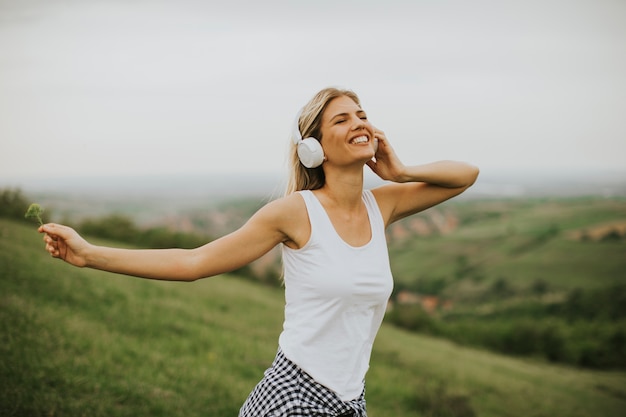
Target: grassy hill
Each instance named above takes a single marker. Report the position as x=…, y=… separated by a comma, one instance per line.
x=520, y=241
x=78, y=342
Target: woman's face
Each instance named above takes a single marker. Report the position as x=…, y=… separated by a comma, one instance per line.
x=347, y=135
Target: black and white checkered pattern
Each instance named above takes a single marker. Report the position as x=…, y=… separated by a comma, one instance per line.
x=286, y=390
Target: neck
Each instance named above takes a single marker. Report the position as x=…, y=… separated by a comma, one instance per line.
x=344, y=187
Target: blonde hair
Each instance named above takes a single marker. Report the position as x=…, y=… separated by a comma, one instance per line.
x=310, y=125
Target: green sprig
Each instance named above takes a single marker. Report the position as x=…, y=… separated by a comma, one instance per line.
x=34, y=211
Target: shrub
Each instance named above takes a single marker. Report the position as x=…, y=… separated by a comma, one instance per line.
x=13, y=203
x=114, y=226
x=411, y=317
x=437, y=402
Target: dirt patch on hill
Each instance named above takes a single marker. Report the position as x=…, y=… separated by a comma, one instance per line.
x=616, y=229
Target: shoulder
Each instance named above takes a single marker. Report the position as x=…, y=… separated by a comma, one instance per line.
x=284, y=206
x=390, y=197
x=288, y=215
x=385, y=196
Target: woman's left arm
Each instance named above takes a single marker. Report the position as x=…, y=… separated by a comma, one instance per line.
x=416, y=188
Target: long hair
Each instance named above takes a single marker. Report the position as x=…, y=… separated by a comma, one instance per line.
x=310, y=125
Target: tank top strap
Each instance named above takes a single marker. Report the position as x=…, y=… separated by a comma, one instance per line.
x=376, y=217
x=317, y=215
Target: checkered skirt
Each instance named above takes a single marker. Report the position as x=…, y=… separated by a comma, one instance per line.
x=286, y=390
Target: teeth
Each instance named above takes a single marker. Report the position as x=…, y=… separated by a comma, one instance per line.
x=360, y=139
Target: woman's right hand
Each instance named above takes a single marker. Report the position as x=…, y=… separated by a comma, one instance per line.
x=64, y=243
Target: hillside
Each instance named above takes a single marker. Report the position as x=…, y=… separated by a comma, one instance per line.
x=82, y=342
x=537, y=277
x=569, y=242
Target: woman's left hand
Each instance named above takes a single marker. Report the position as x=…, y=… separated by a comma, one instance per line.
x=386, y=163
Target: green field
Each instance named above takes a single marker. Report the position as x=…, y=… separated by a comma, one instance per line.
x=520, y=240
x=79, y=342
x=536, y=277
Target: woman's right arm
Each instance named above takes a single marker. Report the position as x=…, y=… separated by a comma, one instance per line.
x=258, y=236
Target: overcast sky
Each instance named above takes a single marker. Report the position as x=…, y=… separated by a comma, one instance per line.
x=93, y=88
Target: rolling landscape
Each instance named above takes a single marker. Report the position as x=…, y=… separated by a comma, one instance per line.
x=504, y=305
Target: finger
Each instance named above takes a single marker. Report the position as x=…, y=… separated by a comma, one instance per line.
x=382, y=141
x=52, y=239
x=52, y=250
x=51, y=243
x=53, y=228
x=50, y=228
x=57, y=231
x=372, y=165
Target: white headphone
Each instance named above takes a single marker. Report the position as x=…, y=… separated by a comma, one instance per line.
x=309, y=149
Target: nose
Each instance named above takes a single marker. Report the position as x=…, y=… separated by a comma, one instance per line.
x=358, y=123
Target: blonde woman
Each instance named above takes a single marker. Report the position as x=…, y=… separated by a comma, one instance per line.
x=336, y=265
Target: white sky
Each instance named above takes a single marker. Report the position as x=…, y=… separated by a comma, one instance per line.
x=92, y=88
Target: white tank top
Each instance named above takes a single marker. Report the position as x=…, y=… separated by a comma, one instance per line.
x=336, y=295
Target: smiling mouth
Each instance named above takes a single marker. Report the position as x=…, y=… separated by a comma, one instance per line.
x=359, y=140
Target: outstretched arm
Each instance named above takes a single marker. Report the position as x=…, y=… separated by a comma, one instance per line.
x=416, y=188
x=260, y=234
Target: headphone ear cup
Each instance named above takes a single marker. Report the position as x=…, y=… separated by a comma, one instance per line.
x=310, y=153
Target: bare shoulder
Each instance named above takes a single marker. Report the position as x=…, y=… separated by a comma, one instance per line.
x=288, y=215
x=386, y=197
x=399, y=200
x=280, y=208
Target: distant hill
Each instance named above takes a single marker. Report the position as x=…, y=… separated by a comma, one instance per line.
x=491, y=182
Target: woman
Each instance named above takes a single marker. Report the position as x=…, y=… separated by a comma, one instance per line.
x=336, y=266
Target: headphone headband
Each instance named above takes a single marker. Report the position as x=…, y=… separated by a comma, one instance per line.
x=296, y=134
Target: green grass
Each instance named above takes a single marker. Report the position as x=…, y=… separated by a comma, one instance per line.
x=521, y=241
x=78, y=342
